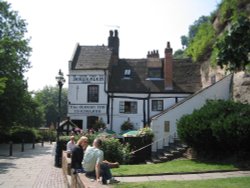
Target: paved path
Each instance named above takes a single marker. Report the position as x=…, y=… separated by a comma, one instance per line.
x=181, y=177
x=35, y=168
x=31, y=168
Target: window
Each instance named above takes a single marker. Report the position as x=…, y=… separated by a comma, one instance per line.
x=129, y=107
x=154, y=73
x=93, y=93
x=127, y=73
x=157, y=105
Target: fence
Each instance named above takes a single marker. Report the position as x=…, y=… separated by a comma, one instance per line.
x=10, y=149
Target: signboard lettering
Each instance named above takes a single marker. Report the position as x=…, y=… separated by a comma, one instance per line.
x=87, y=109
x=90, y=78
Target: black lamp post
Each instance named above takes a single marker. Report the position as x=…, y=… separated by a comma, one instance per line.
x=60, y=81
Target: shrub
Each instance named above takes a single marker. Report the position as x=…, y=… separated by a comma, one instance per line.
x=127, y=125
x=26, y=134
x=114, y=151
x=147, y=132
x=218, y=127
x=4, y=137
x=99, y=124
x=48, y=135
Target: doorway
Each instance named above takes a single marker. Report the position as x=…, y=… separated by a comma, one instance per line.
x=91, y=120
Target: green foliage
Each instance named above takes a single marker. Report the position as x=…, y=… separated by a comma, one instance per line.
x=180, y=54
x=47, y=98
x=26, y=134
x=194, y=28
x=231, y=10
x=184, y=41
x=202, y=42
x=2, y=84
x=114, y=151
x=234, y=46
x=16, y=104
x=127, y=125
x=48, y=135
x=99, y=124
x=147, y=132
x=218, y=127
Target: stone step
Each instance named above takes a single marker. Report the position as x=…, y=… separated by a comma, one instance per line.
x=156, y=160
x=168, y=155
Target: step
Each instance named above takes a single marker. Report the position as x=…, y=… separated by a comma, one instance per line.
x=168, y=155
x=163, y=158
x=156, y=160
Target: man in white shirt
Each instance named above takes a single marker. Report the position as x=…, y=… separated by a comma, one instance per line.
x=93, y=163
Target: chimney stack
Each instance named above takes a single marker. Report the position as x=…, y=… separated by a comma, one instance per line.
x=113, y=43
x=168, y=67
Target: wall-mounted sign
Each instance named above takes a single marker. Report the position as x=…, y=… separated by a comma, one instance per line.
x=87, y=109
x=89, y=78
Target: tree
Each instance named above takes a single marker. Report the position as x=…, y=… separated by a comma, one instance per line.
x=47, y=99
x=2, y=85
x=184, y=41
x=201, y=45
x=193, y=29
x=14, y=55
x=234, y=46
x=180, y=54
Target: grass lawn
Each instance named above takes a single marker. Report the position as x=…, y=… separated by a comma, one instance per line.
x=170, y=167
x=239, y=182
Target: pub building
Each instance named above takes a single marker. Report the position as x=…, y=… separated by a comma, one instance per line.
x=103, y=86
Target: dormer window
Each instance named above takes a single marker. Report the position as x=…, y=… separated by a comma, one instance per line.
x=154, y=73
x=127, y=74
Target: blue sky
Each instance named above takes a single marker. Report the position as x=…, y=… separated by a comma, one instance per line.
x=55, y=26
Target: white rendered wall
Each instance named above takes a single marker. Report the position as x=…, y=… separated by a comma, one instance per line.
x=220, y=90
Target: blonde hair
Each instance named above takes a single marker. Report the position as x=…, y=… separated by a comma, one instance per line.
x=81, y=140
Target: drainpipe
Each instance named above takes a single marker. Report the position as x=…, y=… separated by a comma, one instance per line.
x=148, y=106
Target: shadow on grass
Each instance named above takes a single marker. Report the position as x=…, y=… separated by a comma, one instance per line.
x=242, y=163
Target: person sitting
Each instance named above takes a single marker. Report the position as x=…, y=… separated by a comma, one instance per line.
x=77, y=155
x=94, y=165
x=70, y=145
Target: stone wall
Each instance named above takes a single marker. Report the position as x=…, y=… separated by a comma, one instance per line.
x=241, y=87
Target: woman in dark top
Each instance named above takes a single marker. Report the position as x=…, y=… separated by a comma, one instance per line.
x=77, y=154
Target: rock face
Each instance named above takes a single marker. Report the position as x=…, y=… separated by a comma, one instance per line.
x=241, y=87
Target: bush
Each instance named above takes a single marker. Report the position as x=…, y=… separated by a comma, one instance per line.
x=48, y=135
x=115, y=151
x=127, y=125
x=26, y=134
x=146, y=132
x=4, y=137
x=219, y=127
x=99, y=124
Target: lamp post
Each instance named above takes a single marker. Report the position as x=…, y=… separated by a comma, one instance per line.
x=60, y=81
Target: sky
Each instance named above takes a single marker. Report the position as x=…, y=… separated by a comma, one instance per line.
x=56, y=26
